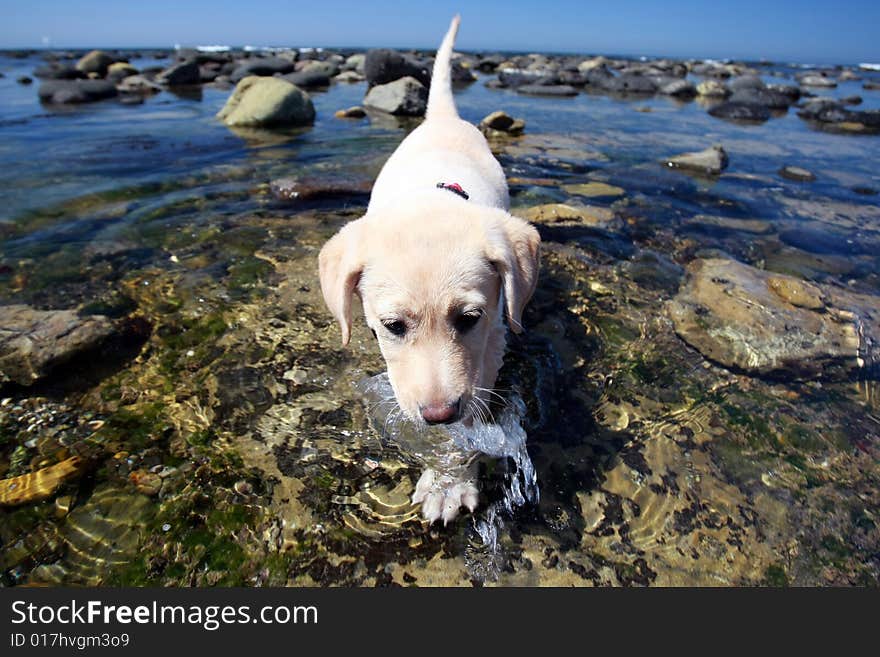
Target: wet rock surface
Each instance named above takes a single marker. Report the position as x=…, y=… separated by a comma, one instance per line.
x=778, y=326
x=33, y=341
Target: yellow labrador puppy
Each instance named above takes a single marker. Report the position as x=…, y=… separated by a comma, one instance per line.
x=437, y=261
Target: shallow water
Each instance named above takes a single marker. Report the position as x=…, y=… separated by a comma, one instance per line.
x=221, y=434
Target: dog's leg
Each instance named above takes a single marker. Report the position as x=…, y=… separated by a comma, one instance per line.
x=442, y=496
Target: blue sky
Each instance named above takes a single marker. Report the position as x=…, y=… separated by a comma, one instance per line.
x=813, y=31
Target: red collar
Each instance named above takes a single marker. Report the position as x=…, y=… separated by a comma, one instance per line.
x=455, y=188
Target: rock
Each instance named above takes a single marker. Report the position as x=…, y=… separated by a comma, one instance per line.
x=146, y=482
x=593, y=189
x=765, y=97
x=59, y=72
x=121, y=70
x=489, y=63
x=817, y=80
x=870, y=85
x=746, y=82
x=741, y=112
x=24, y=80
x=326, y=68
x=267, y=66
x=404, y=97
x=827, y=242
x=308, y=79
x=851, y=100
x=462, y=74
x=501, y=122
x=797, y=174
x=75, y=91
x=260, y=101
x=831, y=112
x=138, y=84
x=349, y=77
x=356, y=112
x=630, y=84
x=516, y=77
x=32, y=341
x=383, y=66
x=712, y=89
x=547, y=90
x=305, y=189
x=554, y=213
x=355, y=63
x=97, y=61
x=777, y=326
x=592, y=64
x=679, y=89
x=717, y=223
x=711, y=161
x=182, y=74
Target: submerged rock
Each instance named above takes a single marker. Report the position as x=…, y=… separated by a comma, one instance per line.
x=260, y=101
x=553, y=213
x=33, y=341
x=773, y=325
x=797, y=174
x=303, y=189
x=711, y=161
x=404, y=97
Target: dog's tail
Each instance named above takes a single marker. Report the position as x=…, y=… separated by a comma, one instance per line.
x=440, y=102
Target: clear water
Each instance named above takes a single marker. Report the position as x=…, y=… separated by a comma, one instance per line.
x=225, y=444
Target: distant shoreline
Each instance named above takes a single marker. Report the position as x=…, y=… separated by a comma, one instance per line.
x=753, y=61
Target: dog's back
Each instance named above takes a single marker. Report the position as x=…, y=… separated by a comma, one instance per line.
x=443, y=149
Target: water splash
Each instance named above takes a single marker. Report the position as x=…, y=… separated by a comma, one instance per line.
x=451, y=449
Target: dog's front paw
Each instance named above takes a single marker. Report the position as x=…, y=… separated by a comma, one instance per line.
x=441, y=496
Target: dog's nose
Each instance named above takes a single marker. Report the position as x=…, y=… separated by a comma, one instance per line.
x=441, y=413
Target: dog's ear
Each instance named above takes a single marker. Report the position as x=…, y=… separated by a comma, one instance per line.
x=513, y=248
x=340, y=265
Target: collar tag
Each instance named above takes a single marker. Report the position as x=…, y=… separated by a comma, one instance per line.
x=455, y=188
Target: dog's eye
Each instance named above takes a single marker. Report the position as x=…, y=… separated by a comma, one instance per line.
x=395, y=327
x=466, y=321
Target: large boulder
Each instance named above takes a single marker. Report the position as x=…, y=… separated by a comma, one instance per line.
x=383, y=66
x=97, y=62
x=63, y=92
x=32, y=341
x=259, y=101
x=404, y=97
x=776, y=326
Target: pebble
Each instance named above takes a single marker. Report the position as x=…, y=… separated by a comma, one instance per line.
x=355, y=112
x=242, y=487
x=797, y=174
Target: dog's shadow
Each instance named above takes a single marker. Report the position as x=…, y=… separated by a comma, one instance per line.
x=551, y=366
